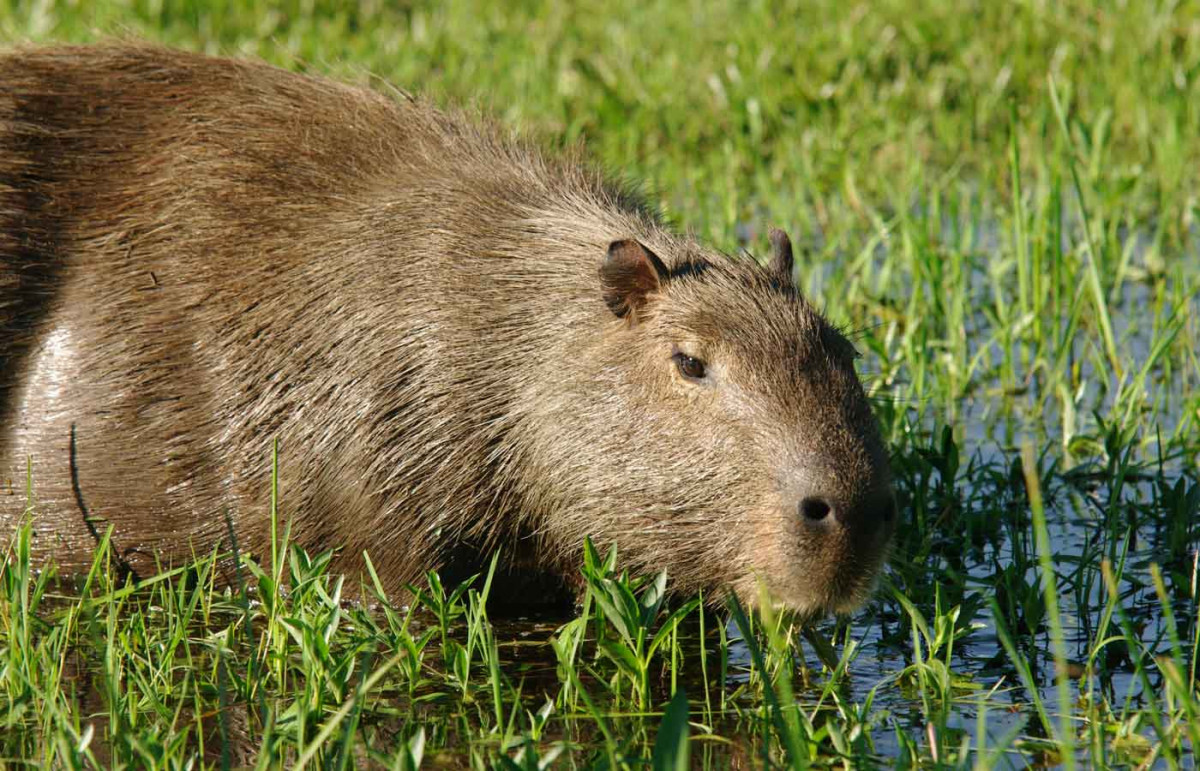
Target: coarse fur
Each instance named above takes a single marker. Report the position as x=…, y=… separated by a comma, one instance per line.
x=459, y=341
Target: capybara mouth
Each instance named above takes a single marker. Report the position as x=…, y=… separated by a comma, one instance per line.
x=844, y=584
x=810, y=604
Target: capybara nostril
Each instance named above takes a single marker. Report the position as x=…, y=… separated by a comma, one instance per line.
x=814, y=509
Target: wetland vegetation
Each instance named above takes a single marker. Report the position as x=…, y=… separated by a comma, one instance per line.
x=1000, y=201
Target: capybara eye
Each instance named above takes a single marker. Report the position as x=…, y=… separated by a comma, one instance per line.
x=689, y=366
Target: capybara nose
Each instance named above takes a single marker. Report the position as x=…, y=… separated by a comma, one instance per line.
x=815, y=509
x=869, y=517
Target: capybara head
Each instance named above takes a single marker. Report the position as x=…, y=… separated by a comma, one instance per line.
x=731, y=440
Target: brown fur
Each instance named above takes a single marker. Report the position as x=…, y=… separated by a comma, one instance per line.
x=199, y=256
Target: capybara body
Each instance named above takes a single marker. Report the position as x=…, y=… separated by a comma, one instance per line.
x=459, y=342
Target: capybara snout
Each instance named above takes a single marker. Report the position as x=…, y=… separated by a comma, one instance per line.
x=458, y=341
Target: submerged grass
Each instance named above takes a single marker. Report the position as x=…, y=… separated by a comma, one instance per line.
x=998, y=200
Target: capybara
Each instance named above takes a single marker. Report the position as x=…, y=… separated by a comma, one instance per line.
x=459, y=341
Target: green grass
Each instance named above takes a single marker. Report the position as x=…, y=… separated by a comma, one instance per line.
x=1000, y=200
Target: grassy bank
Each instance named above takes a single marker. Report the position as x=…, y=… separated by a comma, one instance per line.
x=1001, y=201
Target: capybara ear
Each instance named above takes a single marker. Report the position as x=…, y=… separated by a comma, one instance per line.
x=781, y=255
x=630, y=273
